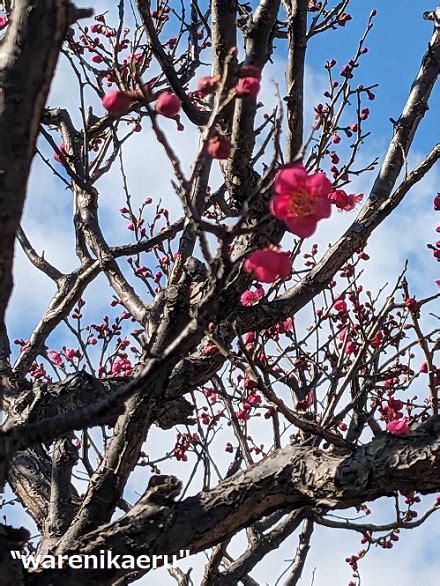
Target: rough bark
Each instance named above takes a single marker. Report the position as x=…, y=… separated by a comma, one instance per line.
x=25, y=77
x=291, y=478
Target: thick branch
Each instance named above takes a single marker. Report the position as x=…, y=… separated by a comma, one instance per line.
x=296, y=35
x=25, y=77
x=294, y=477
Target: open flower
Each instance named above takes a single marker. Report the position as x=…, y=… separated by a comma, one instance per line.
x=268, y=265
x=207, y=85
x=247, y=87
x=252, y=297
x=398, y=427
x=344, y=201
x=340, y=306
x=300, y=200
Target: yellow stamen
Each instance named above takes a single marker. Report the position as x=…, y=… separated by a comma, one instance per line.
x=302, y=204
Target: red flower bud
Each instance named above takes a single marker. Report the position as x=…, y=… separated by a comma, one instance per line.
x=219, y=147
x=247, y=87
x=168, y=104
x=116, y=102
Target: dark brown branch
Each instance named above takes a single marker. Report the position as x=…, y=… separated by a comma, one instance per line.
x=294, y=477
x=38, y=261
x=261, y=547
x=239, y=176
x=25, y=78
x=296, y=35
x=223, y=31
x=62, y=505
x=24, y=92
x=301, y=553
x=198, y=117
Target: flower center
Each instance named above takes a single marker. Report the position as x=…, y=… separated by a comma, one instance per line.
x=302, y=204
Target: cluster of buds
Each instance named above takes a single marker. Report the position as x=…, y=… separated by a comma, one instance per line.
x=76, y=313
x=274, y=332
x=55, y=357
x=391, y=410
x=38, y=372
x=387, y=542
x=352, y=561
x=435, y=247
x=314, y=6
x=210, y=395
x=122, y=365
x=71, y=353
x=411, y=498
x=184, y=442
x=206, y=419
x=134, y=224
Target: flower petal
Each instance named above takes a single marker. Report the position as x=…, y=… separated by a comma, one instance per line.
x=302, y=227
x=289, y=179
x=318, y=185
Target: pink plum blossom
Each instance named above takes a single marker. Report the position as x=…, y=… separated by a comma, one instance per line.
x=300, y=200
x=168, y=104
x=55, y=357
x=344, y=201
x=398, y=427
x=116, y=102
x=268, y=265
x=247, y=87
x=252, y=297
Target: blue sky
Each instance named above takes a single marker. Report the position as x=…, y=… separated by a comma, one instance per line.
x=396, y=44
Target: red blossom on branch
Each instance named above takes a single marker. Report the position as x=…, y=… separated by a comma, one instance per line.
x=168, y=104
x=247, y=87
x=398, y=427
x=219, y=147
x=252, y=297
x=268, y=265
x=344, y=201
x=300, y=200
x=116, y=102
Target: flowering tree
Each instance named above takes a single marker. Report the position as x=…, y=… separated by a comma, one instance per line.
x=289, y=391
